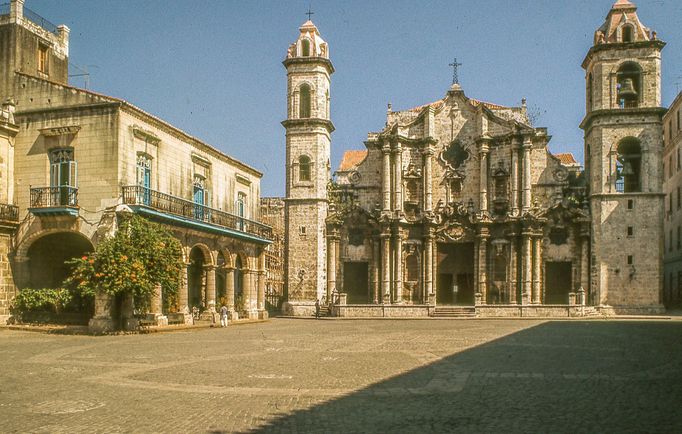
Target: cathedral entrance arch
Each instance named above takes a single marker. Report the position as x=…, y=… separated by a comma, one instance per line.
x=356, y=282
x=455, y=276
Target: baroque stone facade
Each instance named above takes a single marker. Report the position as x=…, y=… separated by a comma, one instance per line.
x=77, y=159
x=459, y=201
x=672, y=184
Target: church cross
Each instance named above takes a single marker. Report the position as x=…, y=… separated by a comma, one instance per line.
x=310, y=13
x=455, y=71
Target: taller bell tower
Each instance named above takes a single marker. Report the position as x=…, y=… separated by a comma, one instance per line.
x=308, y=141
x=623, y=160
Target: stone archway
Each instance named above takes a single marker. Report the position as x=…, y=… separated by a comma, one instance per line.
x=199, y=258
x=47, y=256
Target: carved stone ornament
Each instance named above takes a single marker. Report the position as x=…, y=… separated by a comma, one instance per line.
x=454, y=233
x=412, y=172
x=560, y=174
x=354, y=177
x=454, y=155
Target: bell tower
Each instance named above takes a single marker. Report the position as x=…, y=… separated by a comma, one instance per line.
x=308, y=141
x=623, y=162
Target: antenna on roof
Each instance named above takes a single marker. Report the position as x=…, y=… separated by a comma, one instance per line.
x=84, y=73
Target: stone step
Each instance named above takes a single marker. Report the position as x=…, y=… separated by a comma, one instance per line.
x=454, y=312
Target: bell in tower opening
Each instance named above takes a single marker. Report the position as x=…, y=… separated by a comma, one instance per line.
x=629, y=85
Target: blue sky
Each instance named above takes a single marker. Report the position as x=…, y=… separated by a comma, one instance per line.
x=213, y=68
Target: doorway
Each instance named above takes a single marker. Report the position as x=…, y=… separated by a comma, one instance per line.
x=558, y=282
x=455, y=278
x=356, y=282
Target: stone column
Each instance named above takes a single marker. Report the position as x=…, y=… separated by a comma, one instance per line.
x=537, y=269
x=434, y=272
x=183, y=295
x=375, y=271
x=249, y=295
x=484, y=177
x=157, y=307
x=527, y=144
x=229, y=288
x=386, y=178
x=210, y=287
x=483, y=265
x=102, y=322
x=527, y=266
x=428, y=266
x=515, y=177
x=398, y=177
x=476, y=273
x=585, y=261
x=332, y=240
x=427, y=187
x=513, y=281
x=260, y=301
x=398, y=268
x=386, y=267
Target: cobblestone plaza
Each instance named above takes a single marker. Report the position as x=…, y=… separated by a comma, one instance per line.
x=289, y=375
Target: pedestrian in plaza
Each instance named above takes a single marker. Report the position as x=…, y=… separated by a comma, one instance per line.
x=317, y=309
x=223, y=316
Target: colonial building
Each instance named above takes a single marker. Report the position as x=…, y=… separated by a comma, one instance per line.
x=72, y=159
x=460, y=202
x=672, y=183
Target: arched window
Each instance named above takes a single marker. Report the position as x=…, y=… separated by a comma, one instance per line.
x=304, y=168
x=304, y=101
x=628, y=34
x=629, y=78
x=305, y=48
x=628, y=166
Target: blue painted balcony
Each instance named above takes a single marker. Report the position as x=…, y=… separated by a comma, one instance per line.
x=61, y=200
x=175, y=210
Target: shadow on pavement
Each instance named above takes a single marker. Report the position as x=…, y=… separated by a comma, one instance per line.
x=555, y=377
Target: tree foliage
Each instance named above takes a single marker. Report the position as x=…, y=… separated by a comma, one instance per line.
x=140, y=256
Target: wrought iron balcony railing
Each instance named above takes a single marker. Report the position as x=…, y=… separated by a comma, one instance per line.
x=9, y=212
x=138, y=195
x=54, y=197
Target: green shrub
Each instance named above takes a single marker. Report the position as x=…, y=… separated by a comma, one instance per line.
x=41, y=300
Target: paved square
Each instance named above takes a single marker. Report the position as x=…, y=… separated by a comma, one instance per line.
x=350, y=376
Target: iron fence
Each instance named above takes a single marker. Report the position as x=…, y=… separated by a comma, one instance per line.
x=9, y=212
x=49, y=197
x=37, y=19
x=138, y=195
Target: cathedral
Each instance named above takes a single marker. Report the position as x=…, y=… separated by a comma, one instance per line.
x=457, y=206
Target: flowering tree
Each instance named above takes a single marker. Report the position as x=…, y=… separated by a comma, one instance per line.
x=139, y=257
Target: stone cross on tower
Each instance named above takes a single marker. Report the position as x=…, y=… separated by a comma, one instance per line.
x=455, y=71
x=310, y=13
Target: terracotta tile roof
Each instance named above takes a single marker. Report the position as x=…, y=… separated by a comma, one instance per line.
x=352, y=159
x=567, y=159
x=490, y=105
